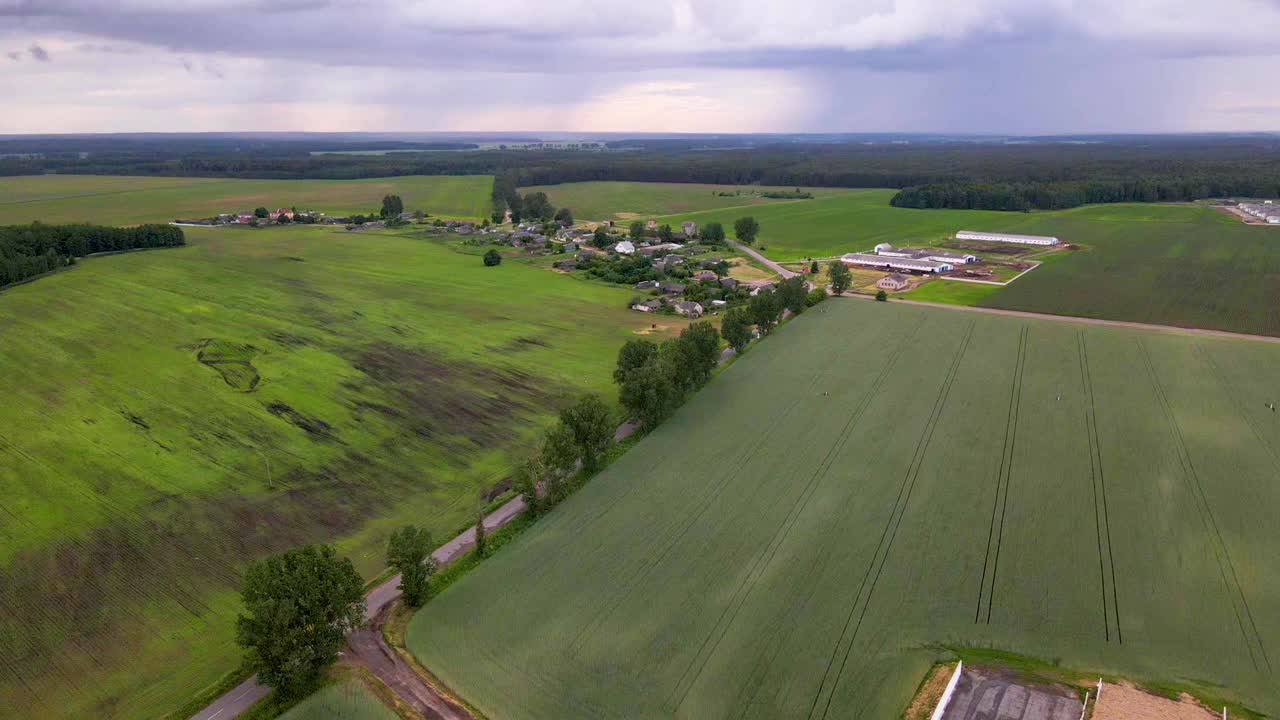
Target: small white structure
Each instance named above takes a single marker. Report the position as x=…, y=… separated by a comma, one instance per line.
x=895, y=263
x=625, y=248
x=882, y=248
x=1007, y=238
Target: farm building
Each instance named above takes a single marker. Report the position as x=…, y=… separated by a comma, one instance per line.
x=896, y=263
x=1267, y=210
x=925, y=254
x=892, y=282
x=624, y=248
x=689, y=309
x=1007, y=238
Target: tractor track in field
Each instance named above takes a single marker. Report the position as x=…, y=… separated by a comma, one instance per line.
x=743, y=592
x=1101, y=514
x=1238, y=402
x=887, y=536
x=1001, y=499
x=1191, y=477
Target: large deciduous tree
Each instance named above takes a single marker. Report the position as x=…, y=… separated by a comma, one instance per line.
x=712, y=234
x=590, y=427
x=736, y=329
x=840, y=277
x=299, y=606
x=633, y=354
x=746, y=229
x=409, y=552
x=392, y=206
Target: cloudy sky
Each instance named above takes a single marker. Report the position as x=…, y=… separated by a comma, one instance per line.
x=1000, y=66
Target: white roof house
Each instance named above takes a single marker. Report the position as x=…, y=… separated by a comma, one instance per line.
x=1007, y=238
x=895, y=263
x=624, y=248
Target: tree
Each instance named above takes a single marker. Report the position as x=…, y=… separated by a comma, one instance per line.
x=492, y=258
x=816, y=296
x=882, y=296
x=528, y=475
x=283, y=219
x=792, y=294
x=564, y=216
x=538, y=207
x=666, y=233
x=765, y=309
x=633, y=354
x=649, y=394
x=482, y=540
x=736, y=329
x=699, y=352
x=712, y=234
x=637, y=230
x=409, y=552
x=746, y=229
x=299, y=607
x=590, y=427
x=840, y=277
x=600, y=238
x=392, y=206
x=261, y=212
x=813, y=268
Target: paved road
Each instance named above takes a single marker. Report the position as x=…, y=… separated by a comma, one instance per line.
x=1079, y=320
x=369, y=644
x=785, y=273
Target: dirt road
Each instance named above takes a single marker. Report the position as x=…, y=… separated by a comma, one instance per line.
x=783, y=272
x=1079, y=320
x=369, y=645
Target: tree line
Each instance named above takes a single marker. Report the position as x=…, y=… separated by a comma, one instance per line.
x=30, y=250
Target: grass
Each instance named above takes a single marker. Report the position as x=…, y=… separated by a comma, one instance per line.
x=349, y=700
x=631, y=200
x=808, y=535
x=140, y=467
x=952, y=292
x=112, y=200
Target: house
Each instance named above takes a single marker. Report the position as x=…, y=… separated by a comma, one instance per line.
x=710, y=262
x=688, y=309
x=671, y=288
x=704, y=276
x=280, y=212
x=571, y=247
x=648, y=306
x=647, y=285
x=892, y=282
x=690, y=229
x=762, y=287
x=719, y=303
x=244, y=218
x=1007, y=238
x=625, y=248
x=651, y=225
x=728, y=283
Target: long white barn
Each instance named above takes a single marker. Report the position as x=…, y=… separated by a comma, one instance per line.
x=1007, y=238
x=895, y=263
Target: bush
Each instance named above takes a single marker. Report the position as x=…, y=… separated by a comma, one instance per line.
x=492, y=258
x=815, y=296
x=882, y=296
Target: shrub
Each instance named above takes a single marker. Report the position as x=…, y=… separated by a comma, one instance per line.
x=492, y=258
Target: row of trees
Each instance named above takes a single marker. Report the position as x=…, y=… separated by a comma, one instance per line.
x=531, y=206
x=1056, y=195
x=655, y=378
x=29, y=250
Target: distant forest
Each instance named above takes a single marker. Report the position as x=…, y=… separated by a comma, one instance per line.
x=1028, y=175
x=30, y=250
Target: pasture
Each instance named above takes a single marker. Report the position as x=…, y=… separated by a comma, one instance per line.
x=624, y=201
x=110, y=200
x=876, y=481
x=171, y=414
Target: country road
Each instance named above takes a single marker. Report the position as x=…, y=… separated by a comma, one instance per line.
x=368, y=643
x=783, y=272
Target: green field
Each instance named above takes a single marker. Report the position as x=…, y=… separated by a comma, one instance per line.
x=344, y=701
x=877, y=480
x=628, y=200
x=110, y=200
x=170, y=414
x=1189, y=266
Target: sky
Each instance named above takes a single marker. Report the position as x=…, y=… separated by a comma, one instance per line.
x=730, y=66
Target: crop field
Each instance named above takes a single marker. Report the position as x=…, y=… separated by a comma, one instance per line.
x=876, y=481
x=170, y=414
x=630, y=200
x=111, y=200
x=343, y=701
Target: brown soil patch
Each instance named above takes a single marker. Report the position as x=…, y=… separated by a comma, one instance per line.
x=655, y=329
x=929, y=693
x=1125, y=702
